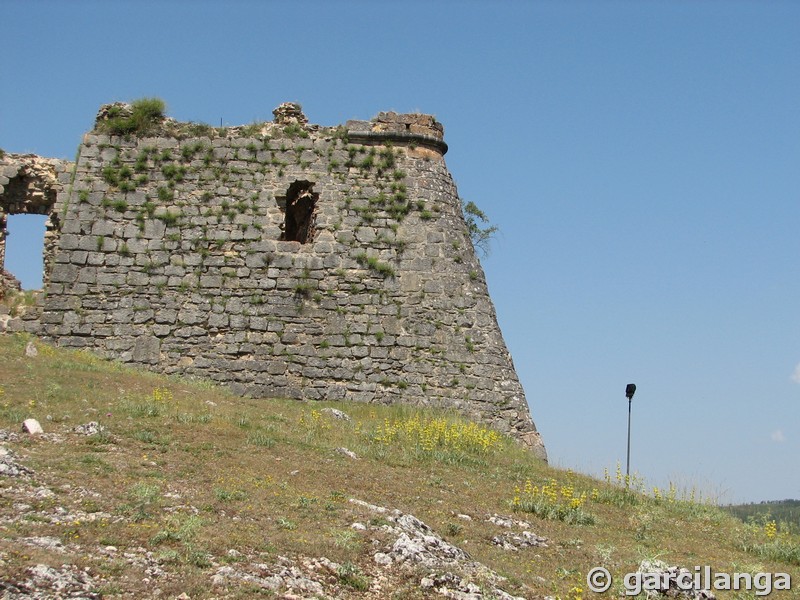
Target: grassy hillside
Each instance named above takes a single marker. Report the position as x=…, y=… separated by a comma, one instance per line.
x=190, y=490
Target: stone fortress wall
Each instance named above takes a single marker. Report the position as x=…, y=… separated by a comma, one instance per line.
x=282, y=259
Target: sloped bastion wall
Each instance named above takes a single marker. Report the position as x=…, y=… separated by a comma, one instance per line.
x=281, y=259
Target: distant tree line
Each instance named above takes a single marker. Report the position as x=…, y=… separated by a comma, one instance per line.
x=782, y=511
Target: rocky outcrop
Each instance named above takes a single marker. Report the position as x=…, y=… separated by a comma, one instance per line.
x=43, y=582
x=404, y=551
x=448, y=570
x=10, y=466
x=672, y=582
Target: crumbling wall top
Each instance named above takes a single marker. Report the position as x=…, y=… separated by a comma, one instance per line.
x=408, y=123
x=29, y=183
x=290, y=113
x=403, y=128
x=400, y=123
x=106, y=112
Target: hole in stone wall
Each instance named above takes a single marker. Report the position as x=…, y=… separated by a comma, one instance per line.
x=24, y=249
x=28, y=223
x=300, y=212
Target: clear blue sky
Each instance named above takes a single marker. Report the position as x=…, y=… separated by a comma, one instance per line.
x=642, y=160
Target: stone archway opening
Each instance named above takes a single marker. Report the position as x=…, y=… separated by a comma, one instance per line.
x=24, y=249
x=300, y=212
x=28, y=190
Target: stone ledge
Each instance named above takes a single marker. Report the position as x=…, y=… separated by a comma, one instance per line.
x=404, y=139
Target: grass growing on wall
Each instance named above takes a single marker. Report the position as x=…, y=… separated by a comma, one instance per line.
x=145, y=114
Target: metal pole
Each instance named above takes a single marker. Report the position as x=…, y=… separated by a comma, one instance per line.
x=628, y=466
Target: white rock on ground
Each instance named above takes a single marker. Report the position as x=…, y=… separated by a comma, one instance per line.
x=32, y=426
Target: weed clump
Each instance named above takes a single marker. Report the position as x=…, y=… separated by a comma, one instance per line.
x=429, y=435
x=383, y=269
x=142, y=118
x=554, y=502
x=351, y=575
x=764, y=538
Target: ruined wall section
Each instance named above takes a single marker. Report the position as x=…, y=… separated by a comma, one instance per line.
x=29, y=184
x=176, y=252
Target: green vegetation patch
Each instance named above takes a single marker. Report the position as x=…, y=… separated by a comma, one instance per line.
x=144, y=116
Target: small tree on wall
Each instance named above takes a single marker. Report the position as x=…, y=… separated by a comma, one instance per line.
x=480, y=232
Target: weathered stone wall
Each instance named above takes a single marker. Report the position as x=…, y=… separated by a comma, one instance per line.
x=284, y=259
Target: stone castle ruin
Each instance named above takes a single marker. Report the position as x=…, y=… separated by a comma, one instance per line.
x=282, y=259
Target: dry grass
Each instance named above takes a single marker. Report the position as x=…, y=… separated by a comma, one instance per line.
x=189, y=472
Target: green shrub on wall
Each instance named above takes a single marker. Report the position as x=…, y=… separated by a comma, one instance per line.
x=145, y=114
x=479, y=230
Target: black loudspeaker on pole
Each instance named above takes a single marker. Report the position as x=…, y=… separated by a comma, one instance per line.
x=630, y=390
